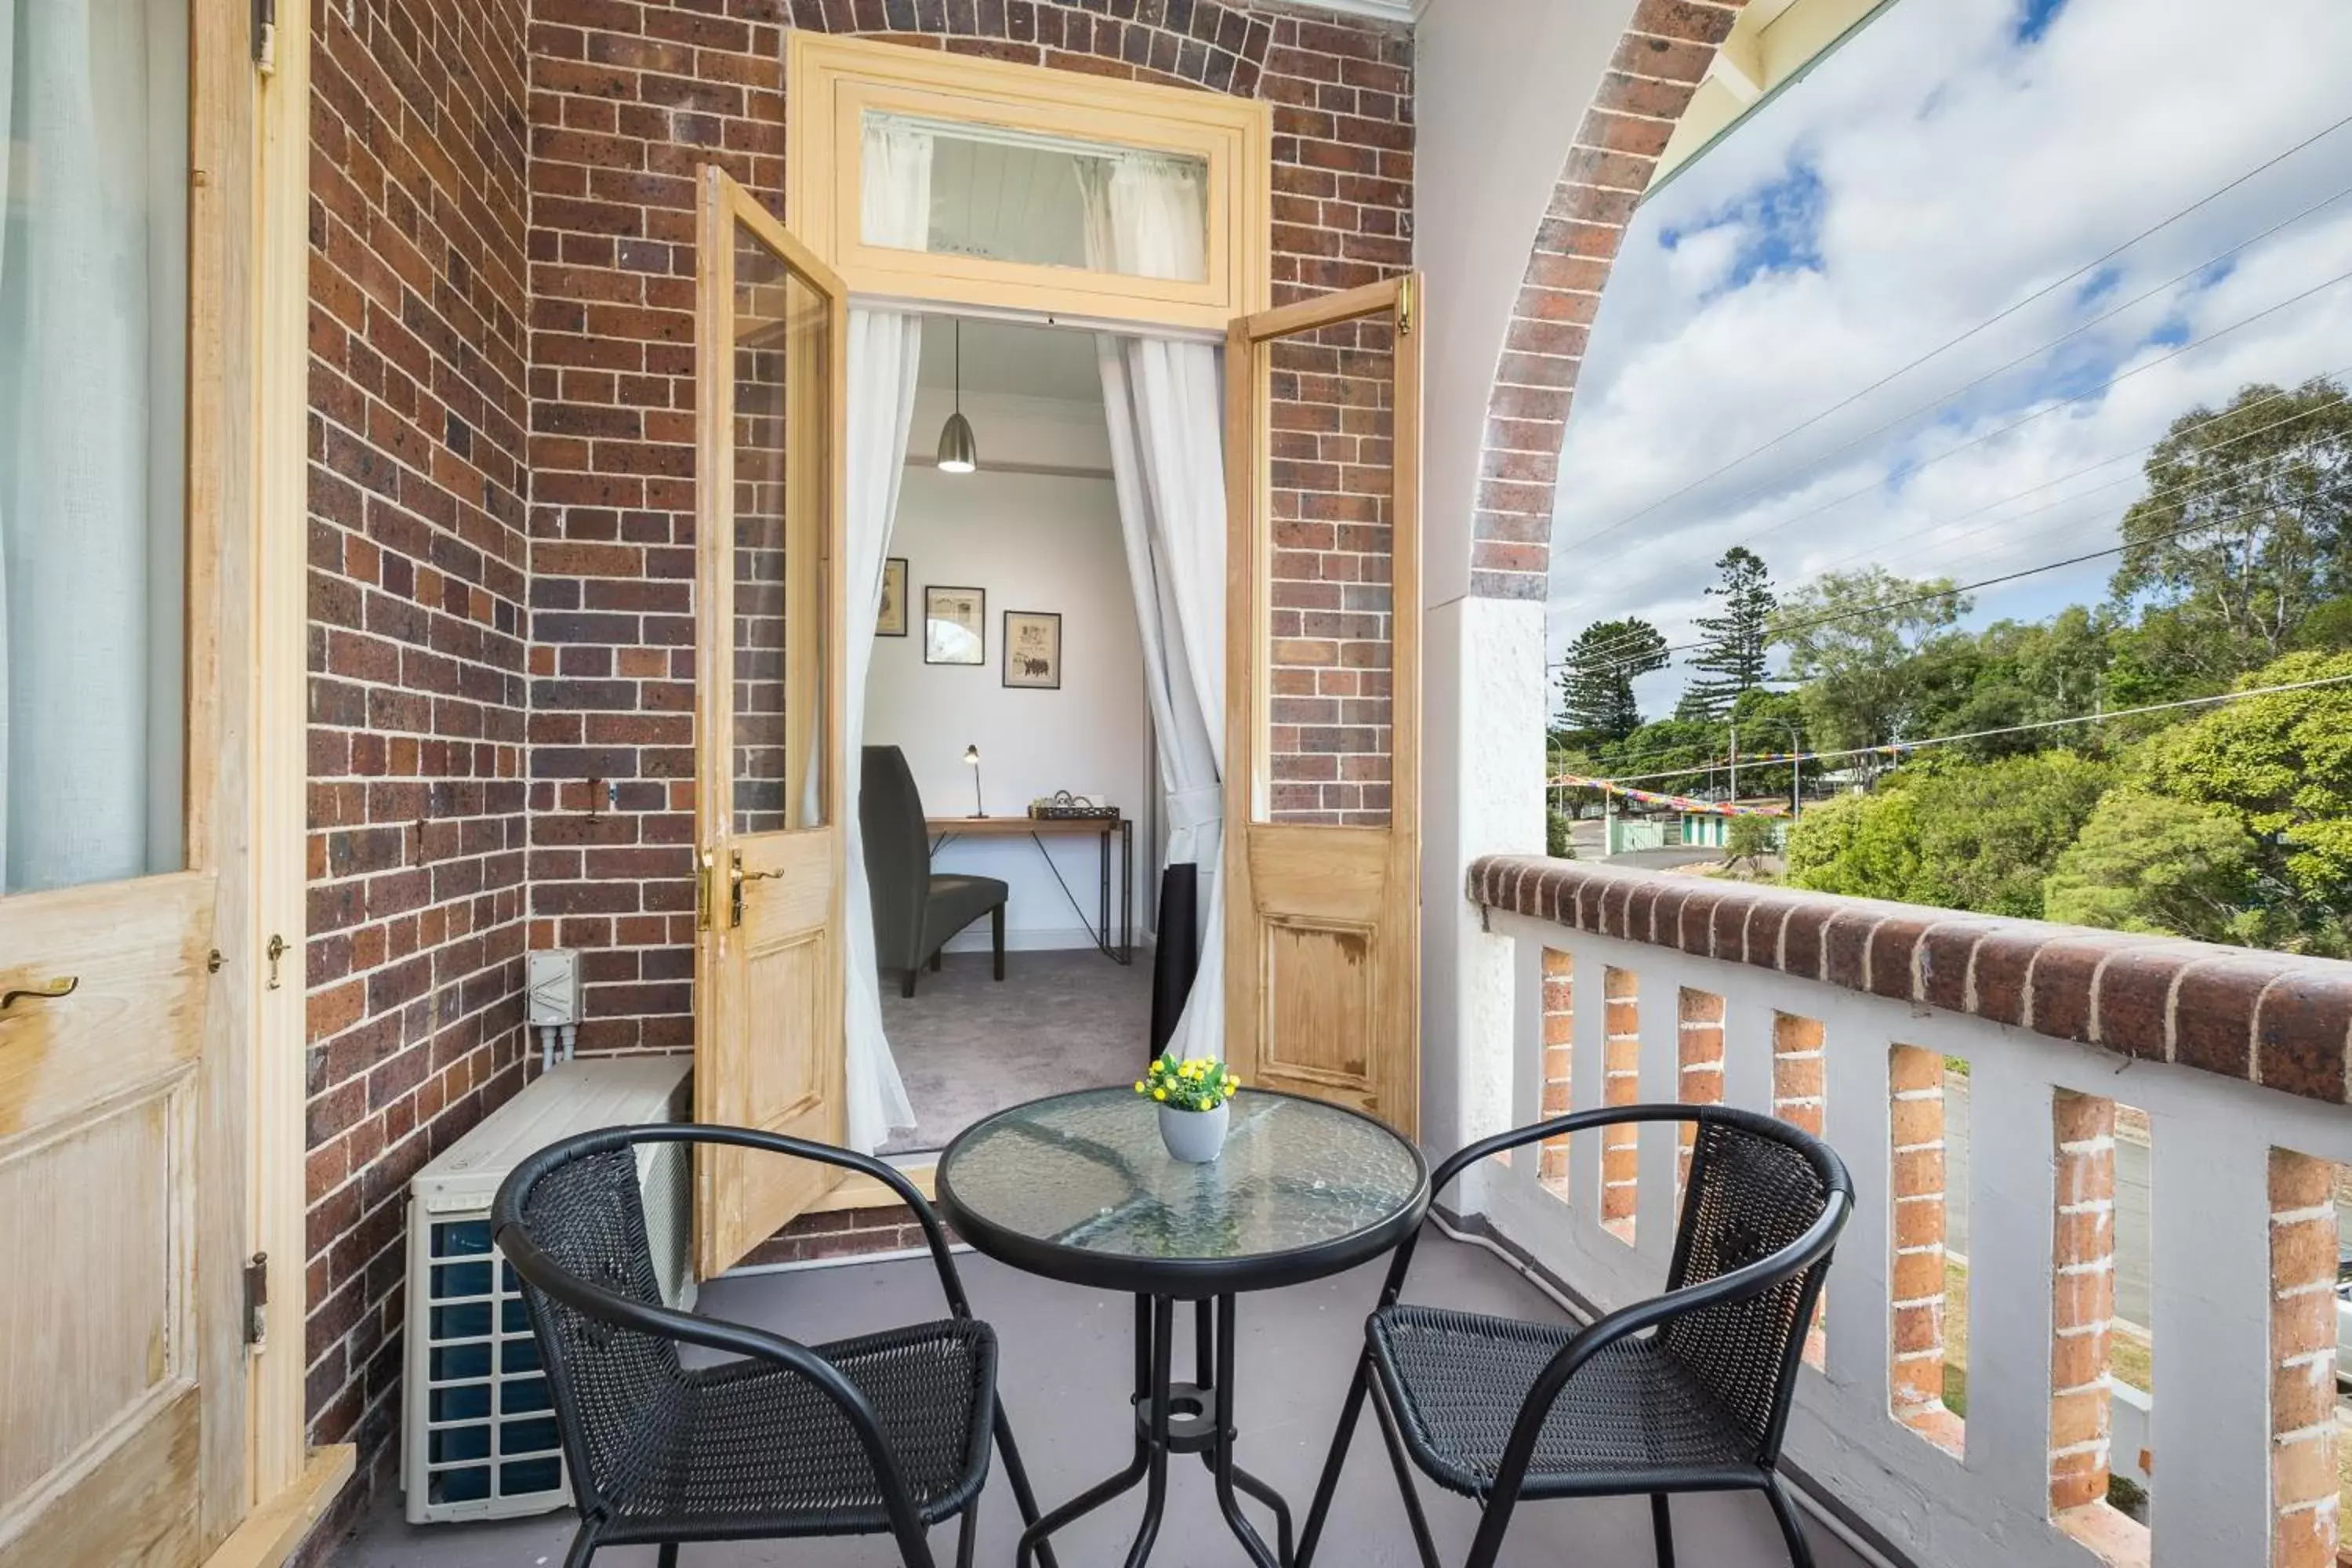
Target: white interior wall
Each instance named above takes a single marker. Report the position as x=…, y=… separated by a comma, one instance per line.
x=1031, y=541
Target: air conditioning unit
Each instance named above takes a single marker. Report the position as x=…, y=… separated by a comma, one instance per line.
x=480, y=1439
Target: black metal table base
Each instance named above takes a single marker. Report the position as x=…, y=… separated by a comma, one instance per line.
x=1173, y=1417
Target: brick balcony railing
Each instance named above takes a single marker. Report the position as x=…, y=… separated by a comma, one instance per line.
x=2274, y=1019
x=1973, y=1403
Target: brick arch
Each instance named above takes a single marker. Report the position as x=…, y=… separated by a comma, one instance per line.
x=1180, y=43
x=1657, y=67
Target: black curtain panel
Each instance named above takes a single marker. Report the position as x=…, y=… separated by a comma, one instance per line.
x=1178, y=955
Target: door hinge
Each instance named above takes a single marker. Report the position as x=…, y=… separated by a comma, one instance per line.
x=264, y=35
x=734, y=888
x=1405, y=306
x=256, y=1299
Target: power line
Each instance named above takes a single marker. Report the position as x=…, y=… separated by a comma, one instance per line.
x=1822, y=459
x=1899, y=747
x=2093, y=468
x=1938, y=351
x=2189, y=485
x=2127, y=478
x=2197, y=489
x=2040, y=412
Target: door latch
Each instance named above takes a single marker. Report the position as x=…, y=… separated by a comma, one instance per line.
x=703, y=868
x=274, y=951
x=256, y=1299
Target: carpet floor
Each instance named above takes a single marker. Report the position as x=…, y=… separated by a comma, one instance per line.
x=969, y=1046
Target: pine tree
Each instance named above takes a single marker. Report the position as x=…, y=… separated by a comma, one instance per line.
x=1732, y=659
x=1596, y=690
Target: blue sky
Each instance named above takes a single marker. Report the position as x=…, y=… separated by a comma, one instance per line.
x=1952, y=160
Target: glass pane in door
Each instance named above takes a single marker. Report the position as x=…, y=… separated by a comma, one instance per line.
x=782, y=379
x=1331, y=486
x=93, y=346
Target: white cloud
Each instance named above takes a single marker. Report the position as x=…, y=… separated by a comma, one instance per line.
x=1939, y=170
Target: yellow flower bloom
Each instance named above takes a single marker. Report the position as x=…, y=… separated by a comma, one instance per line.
x=1139, y=1086
x=1158, y=1094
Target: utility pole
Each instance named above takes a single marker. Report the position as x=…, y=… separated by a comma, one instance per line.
x=1735, y=759
x=1796, y=772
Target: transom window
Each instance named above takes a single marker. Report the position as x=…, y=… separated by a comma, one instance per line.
x=978, y=184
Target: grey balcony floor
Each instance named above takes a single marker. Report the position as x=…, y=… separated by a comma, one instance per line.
x=1066, y=1374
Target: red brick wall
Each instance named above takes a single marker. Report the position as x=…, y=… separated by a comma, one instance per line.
x=629, y=97
x=417, y=639
x=502, y=442
x=1658, y=64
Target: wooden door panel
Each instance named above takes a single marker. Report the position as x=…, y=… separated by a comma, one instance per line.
x=132, y=1502
x=100, y=1416
x=1321, y=997
x=1323, y=699
x=771, y=327
x=136, y=954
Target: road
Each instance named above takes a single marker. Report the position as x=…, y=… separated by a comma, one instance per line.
x=2131, y=1202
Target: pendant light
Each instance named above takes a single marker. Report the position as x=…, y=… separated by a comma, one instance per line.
x=959, y=452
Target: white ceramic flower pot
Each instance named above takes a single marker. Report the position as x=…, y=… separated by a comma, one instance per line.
x=1194, y=1137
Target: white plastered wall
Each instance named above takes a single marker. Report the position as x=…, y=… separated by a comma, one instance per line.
x=1501, y=86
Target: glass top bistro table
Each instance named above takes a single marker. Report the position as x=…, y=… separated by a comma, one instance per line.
x=1078, y=1187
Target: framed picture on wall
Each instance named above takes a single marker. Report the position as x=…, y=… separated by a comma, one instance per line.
x=892, y=620
x=1033, y=649
x=955, y=625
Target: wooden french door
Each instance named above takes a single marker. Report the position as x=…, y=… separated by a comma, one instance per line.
x=127, y=969
x=1323, y=706
x=772, y=326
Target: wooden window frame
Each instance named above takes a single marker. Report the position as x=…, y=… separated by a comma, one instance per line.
x=833, y=83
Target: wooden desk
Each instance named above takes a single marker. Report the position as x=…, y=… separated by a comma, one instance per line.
x=945, y=830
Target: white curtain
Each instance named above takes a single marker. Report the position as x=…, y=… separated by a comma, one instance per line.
x=1145, y=217
x=885, y=349
x=91, y=278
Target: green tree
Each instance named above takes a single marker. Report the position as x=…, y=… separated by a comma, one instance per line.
x=2247, y=525
x=2147, y=863
x=1731, y=660
x=1750, y=839
x=1854, y=638
x=2280, y=766
x=1596, y=689
x=1990, y=833
x=1980, y=837
x=2017, y=673
x=1864, y=844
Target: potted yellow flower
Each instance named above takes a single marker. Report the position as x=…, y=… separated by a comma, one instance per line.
x=1192, y=1096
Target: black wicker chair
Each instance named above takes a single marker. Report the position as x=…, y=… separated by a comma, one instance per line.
x=887, y=1433
x=1687, y=1392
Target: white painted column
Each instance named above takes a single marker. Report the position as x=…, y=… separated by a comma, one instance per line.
x=2210, y=1313
x=2011, y=1161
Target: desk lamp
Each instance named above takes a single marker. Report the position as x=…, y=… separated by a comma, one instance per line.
x=972, y=757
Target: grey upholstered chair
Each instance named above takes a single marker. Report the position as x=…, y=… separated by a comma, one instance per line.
x=915, y=913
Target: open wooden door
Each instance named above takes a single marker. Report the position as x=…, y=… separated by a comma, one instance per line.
x=1323, y=704
x=127, y=972
x=771, y=336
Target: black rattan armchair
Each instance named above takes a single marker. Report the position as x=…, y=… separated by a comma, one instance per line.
x=888, y=1433
x=1687, y=1392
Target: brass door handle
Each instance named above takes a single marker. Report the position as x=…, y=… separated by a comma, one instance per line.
x=736, y=877
x=51, y=992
